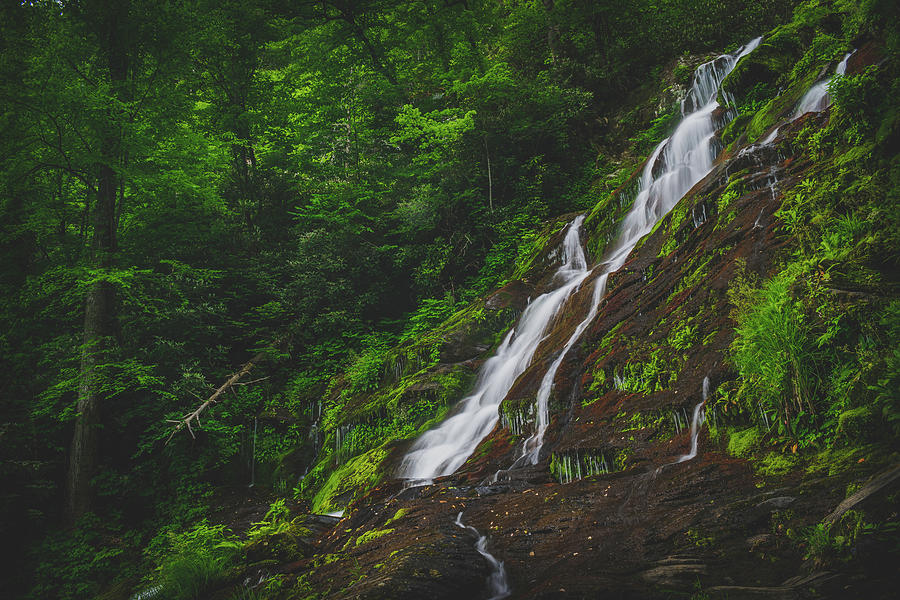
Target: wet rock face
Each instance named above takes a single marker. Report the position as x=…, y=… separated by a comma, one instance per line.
x=475, y=336
x=649, y=527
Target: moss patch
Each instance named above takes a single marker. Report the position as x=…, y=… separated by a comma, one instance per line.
x=372, y=535
x=349, y=481
x=742, y=443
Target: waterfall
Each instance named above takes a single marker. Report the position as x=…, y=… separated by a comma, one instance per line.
x=445, y=448
x=697, y=421
x=532, y=448
x=681, y=160
x=499, y=587
x=675, y=166
x=817, y=98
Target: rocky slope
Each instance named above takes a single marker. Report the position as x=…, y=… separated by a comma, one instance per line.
x=608, y=511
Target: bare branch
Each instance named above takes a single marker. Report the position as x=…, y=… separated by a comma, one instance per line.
x=252, y=381
x=229, y=383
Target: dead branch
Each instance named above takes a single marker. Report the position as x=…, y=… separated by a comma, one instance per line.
x=229, y=383
x=252, y=381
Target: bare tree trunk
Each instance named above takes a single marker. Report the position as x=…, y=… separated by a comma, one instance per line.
x=85, y=442
x=99, y=316
x=99, y=306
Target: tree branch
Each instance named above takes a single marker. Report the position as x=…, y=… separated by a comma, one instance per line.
x=185, y=422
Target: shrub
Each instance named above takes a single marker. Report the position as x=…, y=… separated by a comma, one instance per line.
x=198, y=561
x=774, y=351
x=366, y=370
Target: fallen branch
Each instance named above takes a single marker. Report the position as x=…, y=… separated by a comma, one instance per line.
x=252, y=381
x=185, y=422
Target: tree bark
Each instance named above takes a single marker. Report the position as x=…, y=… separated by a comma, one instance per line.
x=85, y=442
x=99, y=305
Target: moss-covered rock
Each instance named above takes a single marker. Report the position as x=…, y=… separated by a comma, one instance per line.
x=350, y=481
x=857, y=423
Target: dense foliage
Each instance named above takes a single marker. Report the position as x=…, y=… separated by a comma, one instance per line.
x=329, y=183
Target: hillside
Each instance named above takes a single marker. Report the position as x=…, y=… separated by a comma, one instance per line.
x=481, y=300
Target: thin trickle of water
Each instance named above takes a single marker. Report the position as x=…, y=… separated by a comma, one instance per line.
x=497, y=583
x=773, y=180
x=697, y=420
x=756, y=223
x=817, y=98
x=151, y=593
x=765, y=417
x=445, y=448
x=770, y=138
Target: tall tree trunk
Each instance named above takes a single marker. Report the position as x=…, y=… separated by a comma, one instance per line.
x=99, y=305
x=99, y=319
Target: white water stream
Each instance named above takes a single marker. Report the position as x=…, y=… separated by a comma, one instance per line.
x=674, y=167
x=697, y=420
x=497, y=582
x=817, y=98
x=445, y=448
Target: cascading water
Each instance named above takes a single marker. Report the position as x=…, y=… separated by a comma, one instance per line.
x=697, y=421
x=445, y=448
x=817, y=98
x=497, y=582
x=674, y=167
x=531, y=450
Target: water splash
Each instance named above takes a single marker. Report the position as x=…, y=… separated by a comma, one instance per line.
x=497, y=582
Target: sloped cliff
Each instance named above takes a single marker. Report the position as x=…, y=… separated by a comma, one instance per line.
x=724, y=427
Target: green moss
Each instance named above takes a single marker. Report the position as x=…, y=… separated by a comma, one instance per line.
x=641, y=420
x=532, y=248
x=725, y=212
x=734, y=129
x=742, y=443
x=833, y=461
x=351, y=480
x=622, y=458
x=775, y=463
x=397, y=515
x=573, y=465
x=671, y=223
x=696, y=272
x=616, y=192
x=598, y=384
x=857, y=423
x=697, y=538
x=372, y=535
